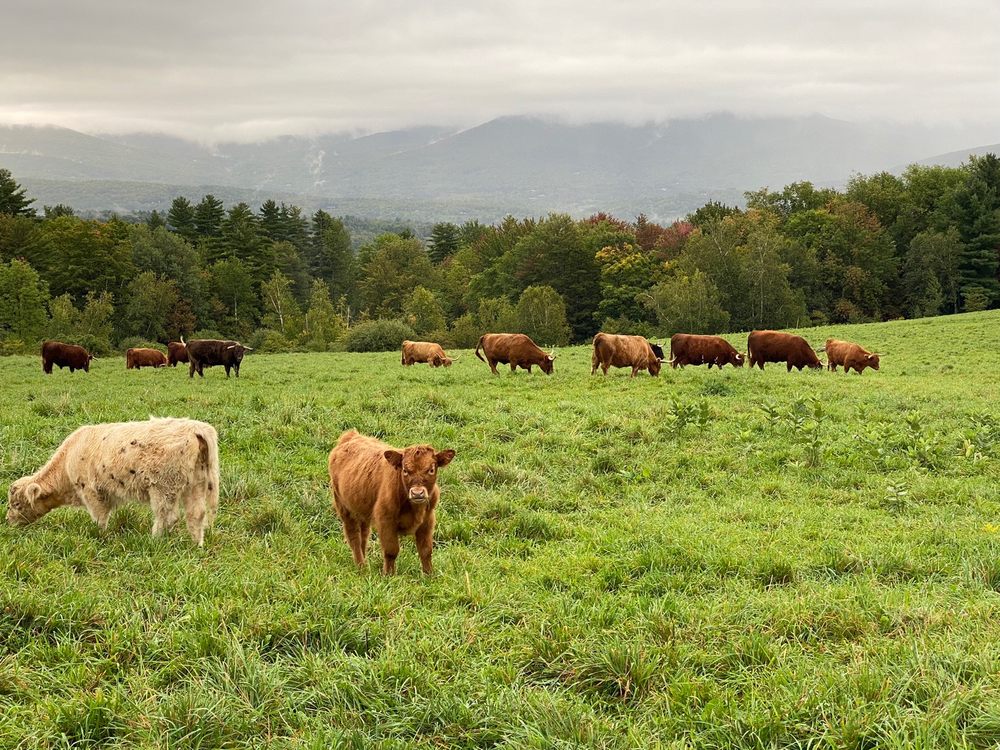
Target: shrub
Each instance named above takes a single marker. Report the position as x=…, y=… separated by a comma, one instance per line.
x=465, y=331
x=377, y=336
x=268, y=340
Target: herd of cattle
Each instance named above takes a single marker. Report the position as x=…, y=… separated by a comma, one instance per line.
x=173, y=464
x=518, y=350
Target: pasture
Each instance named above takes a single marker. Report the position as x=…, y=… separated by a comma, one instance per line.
x=703, y=559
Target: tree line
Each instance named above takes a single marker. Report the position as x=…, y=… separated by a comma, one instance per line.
x=926, y=242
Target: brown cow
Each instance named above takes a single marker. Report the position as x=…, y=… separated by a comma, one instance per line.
x=177, y=352
x=849, y=356
x=65, y=355
x=424, y=351
x=614, y=350
x=692, y=349
x=776, y=346
x=514, y=349
x=374, y=484
x=138, y=358
x=204, y=353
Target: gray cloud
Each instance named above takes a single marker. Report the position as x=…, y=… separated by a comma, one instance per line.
x=223, y=70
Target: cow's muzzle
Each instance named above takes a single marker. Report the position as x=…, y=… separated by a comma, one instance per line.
x=419, y=495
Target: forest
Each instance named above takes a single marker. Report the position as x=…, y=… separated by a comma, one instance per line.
x=922, y=243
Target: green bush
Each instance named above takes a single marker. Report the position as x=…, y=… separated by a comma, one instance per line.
x=377, y=336
x=268, y=340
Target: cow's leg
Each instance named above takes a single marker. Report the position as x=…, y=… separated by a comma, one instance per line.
x=227, y=371
x=605, y=366
x=164, y=507
x=364, y=535
x=634, y=371
x=98, y=509
x=238, y=369
x=389, y=540
x=513, y=367
x=493, y=366
x=424, y=536
x=352, y=535
x=788, y=365
x=191, y=369
x=195, y=514
x=529, y=368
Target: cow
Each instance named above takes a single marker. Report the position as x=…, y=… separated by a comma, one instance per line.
x=514, y=349
x=177, y=352
x=657, y=350
x=170, y=464
x=424, y=351
x=614, y=350
x=137, y=358
x=65, y=355
x=374, y=484
x=776, y=346
x=849, y=356
x=692, y=349
x=204, y=353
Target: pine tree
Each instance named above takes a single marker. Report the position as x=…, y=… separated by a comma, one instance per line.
x=978, y=208
x=12, y=197
x=443, y=241
x=181, y=218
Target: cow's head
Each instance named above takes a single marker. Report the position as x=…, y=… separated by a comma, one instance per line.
x=547, y=362
x=24, y=502
x=657, y=350
x=417, y=468
x=238, y=350
x=872, y=361
x=737, y=359
x=86, y=365
x=446, y=361
x=654, y=364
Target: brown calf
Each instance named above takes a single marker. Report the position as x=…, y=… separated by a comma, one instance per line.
x=374, y=484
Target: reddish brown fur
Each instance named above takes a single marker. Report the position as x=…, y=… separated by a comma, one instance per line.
x=849, y=356
x=374, y=484
x=424, y=351
x=176, y=352
x=514, y=349
x=694, y=349
x=776, y=346
x=65, y=355
x=614, y=350
x=137, y=358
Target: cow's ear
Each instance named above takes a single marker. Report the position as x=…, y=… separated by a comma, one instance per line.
x=444, y=457
x=32, y=492
x=394, y=457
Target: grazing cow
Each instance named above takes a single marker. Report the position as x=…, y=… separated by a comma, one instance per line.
x=849, y=356
x=137, y=358
x=177, y=352
x=65, y=355
x=514, y=349
x=204, y=353
x=374, y=484
x=424, y=351
x=171, y=464
x=775, y=346
x=692, y=349
x=614, y=350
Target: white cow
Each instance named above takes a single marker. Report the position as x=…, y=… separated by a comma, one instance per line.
x=171, y=464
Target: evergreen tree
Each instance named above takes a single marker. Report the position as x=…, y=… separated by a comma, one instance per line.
x=13, y=201
x=270, y=221
x=180, y=218
x=332, y=260
x=978, y=218
x=443, y=241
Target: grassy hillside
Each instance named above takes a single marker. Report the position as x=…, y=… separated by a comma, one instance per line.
x=735, y=559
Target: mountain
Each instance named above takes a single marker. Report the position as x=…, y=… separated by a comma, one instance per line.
x=957, y=158
x=519, y=165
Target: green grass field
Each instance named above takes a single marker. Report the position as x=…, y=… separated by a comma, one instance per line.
x=704, y=559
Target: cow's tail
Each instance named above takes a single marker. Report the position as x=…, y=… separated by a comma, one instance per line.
x=208, y=465
x=128, y=359
x=480, y=346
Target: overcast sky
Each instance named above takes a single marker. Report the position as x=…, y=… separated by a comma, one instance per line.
x=225, y=70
